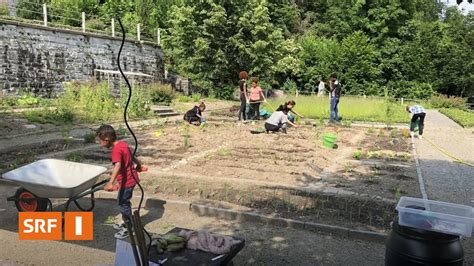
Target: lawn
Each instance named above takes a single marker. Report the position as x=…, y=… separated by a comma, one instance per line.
x=464, y=118
x=350, y=108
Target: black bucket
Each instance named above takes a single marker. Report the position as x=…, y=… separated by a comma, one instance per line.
x=410, y=246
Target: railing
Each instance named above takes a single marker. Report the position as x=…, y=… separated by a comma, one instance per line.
x=49, y=14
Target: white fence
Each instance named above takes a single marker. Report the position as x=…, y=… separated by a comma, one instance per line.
x=44, y=11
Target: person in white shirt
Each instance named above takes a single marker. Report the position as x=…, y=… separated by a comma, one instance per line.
x=418, y=115
x=278, y=120
x=321, y=87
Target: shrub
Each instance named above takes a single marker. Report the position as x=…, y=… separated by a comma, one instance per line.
x=226, y=92
x=290, y=86
x=161, y=93
x=411, y=90
x=139, y=103
x=4, y=10
x=95, y=24
x=196, y=97
x=443, y=101
x=185, y=99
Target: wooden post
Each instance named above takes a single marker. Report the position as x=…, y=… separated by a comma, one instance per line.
x=83, y=22
x=45, y=15
x=158, y=36
x=138, y=32
x=113, y=27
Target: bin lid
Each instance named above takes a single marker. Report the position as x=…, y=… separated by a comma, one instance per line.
x=421, y=234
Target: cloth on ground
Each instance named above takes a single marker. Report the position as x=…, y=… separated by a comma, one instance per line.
x=205, y=241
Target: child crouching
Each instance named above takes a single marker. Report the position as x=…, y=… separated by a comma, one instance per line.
x=194, y=116
x=278, y=120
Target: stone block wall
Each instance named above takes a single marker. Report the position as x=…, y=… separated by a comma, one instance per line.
x=40, y=59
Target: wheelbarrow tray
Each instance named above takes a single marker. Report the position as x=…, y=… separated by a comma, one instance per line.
x=52, y=178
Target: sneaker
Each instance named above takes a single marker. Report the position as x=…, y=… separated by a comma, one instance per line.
x=412, y=134
x=121, y=234
x=119, y=226
x=420, y=137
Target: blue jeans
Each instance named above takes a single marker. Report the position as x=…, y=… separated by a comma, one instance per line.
x=334, y=111
x=124, y=196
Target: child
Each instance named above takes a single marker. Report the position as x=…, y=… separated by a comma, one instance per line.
x=289, y=105
x=123, y=173
x=195, y=115
x=418, y=113
x=256, y=96
x=278, y=120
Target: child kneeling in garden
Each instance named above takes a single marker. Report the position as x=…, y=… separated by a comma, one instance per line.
x=194, y=116
x=278, y=120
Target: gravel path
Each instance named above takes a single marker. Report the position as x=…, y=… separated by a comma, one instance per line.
x=265, y=244
x=445, y=179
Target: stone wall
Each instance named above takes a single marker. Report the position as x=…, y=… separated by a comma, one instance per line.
x=40, y=59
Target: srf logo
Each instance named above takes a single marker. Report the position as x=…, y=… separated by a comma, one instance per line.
x=48, y=226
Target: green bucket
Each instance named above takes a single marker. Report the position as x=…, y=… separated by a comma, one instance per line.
x=329, y=140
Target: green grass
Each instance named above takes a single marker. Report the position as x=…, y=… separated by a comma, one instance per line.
x=350, y=108
x=464, y=118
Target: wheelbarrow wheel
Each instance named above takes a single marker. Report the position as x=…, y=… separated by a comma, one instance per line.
x=35, y=205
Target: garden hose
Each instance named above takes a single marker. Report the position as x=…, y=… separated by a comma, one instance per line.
x=128, y=126
x=456, y=159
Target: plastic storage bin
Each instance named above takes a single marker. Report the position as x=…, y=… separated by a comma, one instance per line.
x=443, y=217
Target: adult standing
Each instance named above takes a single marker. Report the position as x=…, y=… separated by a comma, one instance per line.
x=243, y=75
x=335, y=93
x=256, y=97
x=321, y=87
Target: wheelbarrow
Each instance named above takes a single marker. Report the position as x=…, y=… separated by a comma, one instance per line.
x=50, y=178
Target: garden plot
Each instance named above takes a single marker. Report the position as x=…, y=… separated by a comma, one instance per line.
x=229, y=152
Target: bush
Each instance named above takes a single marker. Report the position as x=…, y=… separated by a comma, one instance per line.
x=226, y=92
x=95, y=24
x=184, y=99
x=139, y=103
x=411, y=89
x=161, y=94
x=443, y=101
x=196, y=97
x=4, y=10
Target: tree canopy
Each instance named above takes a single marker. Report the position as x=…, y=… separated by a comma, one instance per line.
x=410, y=48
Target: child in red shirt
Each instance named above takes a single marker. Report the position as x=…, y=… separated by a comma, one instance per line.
x=124, y=173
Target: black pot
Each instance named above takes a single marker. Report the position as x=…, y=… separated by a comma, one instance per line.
x=410, y=246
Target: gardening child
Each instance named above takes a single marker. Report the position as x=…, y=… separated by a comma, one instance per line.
x=194, y=116
x=418, y=115
x=256, y=97
x=289, y=105
x=278, y=120
x=124, y=173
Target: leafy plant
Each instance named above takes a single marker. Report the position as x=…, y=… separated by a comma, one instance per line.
x=223, y=152
x=186, y=136
x=74, y=157
x=443, y=101
x=161, y=94
x=89, y=137
x=357, y=154
x=4, y=10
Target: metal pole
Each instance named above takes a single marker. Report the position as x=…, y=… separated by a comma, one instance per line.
x=138, y=32
x=158, y=37
x=113, y=27
x=45, y=15
x=83, y=22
